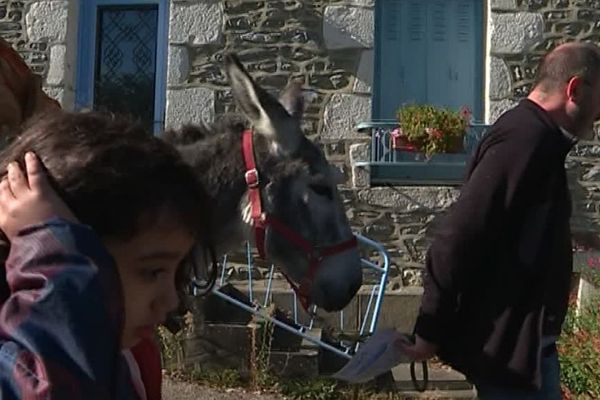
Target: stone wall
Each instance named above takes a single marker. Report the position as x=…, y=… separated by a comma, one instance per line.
x=319, y=43
x=40, y=30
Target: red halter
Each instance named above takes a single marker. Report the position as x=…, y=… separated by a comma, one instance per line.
x=261, y=220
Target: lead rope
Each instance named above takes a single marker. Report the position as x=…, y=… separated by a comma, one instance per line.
x=419, y=387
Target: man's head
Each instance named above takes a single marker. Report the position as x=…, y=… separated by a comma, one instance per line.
x=136, y=192
x=568, y=86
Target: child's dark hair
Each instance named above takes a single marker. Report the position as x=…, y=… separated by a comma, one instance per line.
x=114, y=175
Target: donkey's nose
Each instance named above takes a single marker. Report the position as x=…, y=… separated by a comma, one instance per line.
x=332, y=302
x=354, y=287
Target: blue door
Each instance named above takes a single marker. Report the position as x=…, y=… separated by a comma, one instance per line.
x=122, y=58
x=428, y=51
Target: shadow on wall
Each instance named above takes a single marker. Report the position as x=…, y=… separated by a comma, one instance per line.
x=584, y=180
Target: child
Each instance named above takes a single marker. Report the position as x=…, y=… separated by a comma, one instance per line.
x=93, y=275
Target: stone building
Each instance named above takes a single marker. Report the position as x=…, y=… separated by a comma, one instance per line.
x=162, y=59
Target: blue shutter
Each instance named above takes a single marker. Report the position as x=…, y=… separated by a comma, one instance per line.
x=464, y=46
x=414, y=53
x=439, y=53
x=428, y=51
x=468, y=58
x=399, y=78
x=388, y=76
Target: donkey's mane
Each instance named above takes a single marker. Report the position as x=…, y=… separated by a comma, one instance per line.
x=214, y=150
x=231, y=124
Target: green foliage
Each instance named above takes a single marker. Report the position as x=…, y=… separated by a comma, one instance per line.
x=170, y=346
x=433, y=129
x=224, y=378
x=579, y=351
x=316, y=389
x=261, y=376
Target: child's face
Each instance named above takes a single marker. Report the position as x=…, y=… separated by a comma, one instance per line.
x=147, y=264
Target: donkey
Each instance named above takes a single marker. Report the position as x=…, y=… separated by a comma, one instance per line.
x=272, y=186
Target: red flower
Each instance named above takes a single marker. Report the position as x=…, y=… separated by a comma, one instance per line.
x=436, y=133
x=465, y=113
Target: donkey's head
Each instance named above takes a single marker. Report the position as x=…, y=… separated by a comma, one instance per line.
x=298, y=191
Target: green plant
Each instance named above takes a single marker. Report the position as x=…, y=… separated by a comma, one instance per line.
x=432, y=129
x=223, y=378
x=590, y=270
x=262, y=339
x=170, y=346
x=579, y=350
x=171, y=349
x=314, y=389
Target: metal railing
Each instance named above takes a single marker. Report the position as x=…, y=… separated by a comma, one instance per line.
x=383, y=150
x=376, y=267
x=390, y=164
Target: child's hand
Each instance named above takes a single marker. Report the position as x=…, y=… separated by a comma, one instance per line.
x=28, y=199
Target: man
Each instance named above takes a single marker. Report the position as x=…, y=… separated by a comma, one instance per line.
x=498, y=273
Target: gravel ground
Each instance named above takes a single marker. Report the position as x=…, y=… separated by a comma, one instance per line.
x=174, y=390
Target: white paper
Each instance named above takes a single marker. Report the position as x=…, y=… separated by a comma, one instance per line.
x=376, y=356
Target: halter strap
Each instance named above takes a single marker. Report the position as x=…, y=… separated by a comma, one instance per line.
x=261, y=220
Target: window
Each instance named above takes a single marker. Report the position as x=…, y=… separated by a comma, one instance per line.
x=426, y=52
x=122, y=58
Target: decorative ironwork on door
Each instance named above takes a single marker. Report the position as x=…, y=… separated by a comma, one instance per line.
x=126, y=51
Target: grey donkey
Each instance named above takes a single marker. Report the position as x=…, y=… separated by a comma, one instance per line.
x=305, y=232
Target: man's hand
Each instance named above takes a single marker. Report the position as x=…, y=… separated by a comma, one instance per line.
x=27, y=198
x=420, y=350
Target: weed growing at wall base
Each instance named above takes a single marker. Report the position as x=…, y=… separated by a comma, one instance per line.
x=579, y=350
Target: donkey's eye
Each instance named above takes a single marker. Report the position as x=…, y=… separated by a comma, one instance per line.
x=322, y=190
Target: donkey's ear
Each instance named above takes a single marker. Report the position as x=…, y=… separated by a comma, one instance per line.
x=267, y=115
x=292, y=100
x=245, y=91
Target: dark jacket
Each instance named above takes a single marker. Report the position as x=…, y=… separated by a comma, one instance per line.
x=60, y=327
x=498, y=272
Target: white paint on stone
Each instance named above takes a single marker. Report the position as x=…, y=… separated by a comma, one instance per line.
x=178, y=65
x=504, y=5
x=47, y=20
x=348, y=27
x=364, y=74
x=406, y=199
x=497, y=108
x=190, y=105
x=343, y=113
x=57, y=93
x=197, y=23
x=56, y=69
x=500, y=81
x=587, y=296
x=514, y=33
x=359, y=152
x=362, y=3
x=361, y=174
